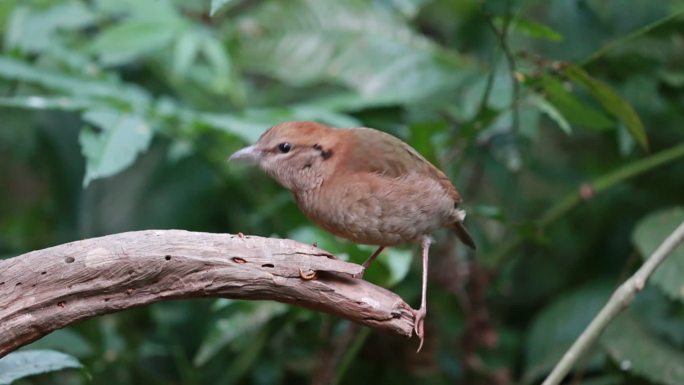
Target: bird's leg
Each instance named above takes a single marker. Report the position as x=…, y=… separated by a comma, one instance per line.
x=370, y=260
x=419, y=321
x=372, y=257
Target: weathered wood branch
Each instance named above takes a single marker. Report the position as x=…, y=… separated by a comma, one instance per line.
x=48, y=289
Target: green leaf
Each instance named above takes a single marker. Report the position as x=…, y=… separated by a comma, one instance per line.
x=575, y=111
x=398, y=262
x=222, y=303
x=635, y=350
x=158, y=10
x=625, y=141
x=251, y=124
x=247, y=129
x=345, y=101
x=408, y=8
x=185, y=52
x=216, y=5
x=65, y=340
x=36, y=31
x=531, y=28
x=609, y=379
x=648, y=235
x=557, y=326
x=660, y=314
x=489, y=212
x=123, y=136
x=312, y=112
x=246, y=358
x=218, y=58
x=45, y=102
x=72, y=85
x=127, y=41
x=611, y=101
x=226, y=330
x=672, y=78
x=547, y=108
x=31, y=362
x=322, y=41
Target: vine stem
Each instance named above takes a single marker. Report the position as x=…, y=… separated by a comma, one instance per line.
x=620, y=300
x=574, y=198
x=630, y=36
x=502, y=37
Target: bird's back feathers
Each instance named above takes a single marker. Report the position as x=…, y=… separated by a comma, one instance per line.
x=378, y=152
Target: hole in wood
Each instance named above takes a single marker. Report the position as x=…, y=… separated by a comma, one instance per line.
x=307, y=275
x=267, y=265
x=69, y=259
x=43, y=273
x=167, y=257
x=238, y=260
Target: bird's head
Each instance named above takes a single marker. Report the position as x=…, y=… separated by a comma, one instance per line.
x=298, y=155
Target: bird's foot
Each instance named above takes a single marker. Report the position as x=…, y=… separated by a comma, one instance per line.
x=419, y=325
x=359, y=275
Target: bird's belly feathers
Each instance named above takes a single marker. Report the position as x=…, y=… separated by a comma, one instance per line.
x=379, y=211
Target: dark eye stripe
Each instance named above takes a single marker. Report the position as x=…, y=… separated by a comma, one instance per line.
x=325, y=154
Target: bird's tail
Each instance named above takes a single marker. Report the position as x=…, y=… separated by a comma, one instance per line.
x=463, y=234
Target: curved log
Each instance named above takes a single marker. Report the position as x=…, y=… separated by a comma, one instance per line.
x=48, y=289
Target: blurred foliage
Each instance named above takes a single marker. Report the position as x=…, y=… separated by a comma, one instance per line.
x=560, y=121
x=25, y=363
x=669, y=276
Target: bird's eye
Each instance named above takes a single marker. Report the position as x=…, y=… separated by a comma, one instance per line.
x=284, y=147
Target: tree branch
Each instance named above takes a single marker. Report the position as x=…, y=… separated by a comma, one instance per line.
x=621, y=298
x=48, y=289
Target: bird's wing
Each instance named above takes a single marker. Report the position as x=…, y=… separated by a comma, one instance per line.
x=381, y=153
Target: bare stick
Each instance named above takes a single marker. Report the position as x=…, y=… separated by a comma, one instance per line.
x=621, y=298
x=48, y=289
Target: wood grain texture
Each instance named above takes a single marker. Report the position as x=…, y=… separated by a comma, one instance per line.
x=48, y=289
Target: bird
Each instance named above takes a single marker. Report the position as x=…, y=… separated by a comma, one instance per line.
x=363, y=185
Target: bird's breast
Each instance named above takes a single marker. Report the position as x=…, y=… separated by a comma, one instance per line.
x=376, y=210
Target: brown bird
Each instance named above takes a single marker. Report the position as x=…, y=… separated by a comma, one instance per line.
x=363, y=185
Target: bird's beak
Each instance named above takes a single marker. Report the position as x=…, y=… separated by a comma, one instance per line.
x=249, y=154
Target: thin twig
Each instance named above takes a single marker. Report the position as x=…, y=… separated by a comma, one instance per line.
x=502, y=37
x=630, y=36
x=620, y=300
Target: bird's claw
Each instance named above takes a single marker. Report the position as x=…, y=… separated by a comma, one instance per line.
x=359, y=275
x=419, y=325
